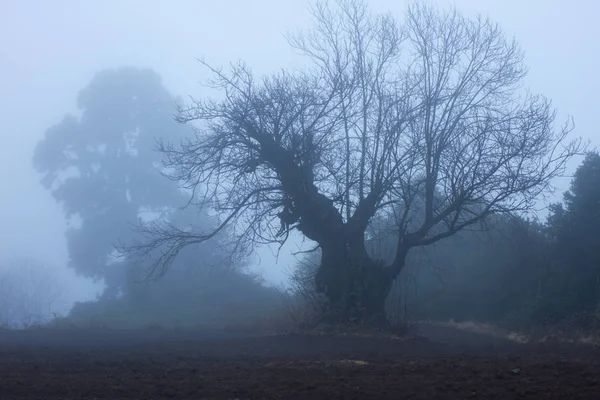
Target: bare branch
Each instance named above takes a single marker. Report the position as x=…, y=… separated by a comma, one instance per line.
x=423, y=120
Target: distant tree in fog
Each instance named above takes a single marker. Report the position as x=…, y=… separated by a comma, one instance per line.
x=574, y=228
x=104, y=169
x=422, y=122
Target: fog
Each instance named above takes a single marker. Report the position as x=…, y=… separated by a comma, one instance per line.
x=50, y=50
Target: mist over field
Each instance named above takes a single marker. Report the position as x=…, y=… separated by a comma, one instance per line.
x=89, y=89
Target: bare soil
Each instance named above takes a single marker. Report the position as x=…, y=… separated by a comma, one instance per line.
x=440, y=363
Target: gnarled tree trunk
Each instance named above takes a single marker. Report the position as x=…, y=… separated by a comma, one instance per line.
x=356, y=285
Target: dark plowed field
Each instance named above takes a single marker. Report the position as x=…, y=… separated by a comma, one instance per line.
x=218, y=365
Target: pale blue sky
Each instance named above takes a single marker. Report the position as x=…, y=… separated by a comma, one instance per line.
x=51, y=49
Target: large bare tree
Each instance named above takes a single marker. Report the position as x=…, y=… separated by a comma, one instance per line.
x=424, y=121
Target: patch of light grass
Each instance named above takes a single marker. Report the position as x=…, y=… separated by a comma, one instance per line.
x=546, y=336
x=484, y=328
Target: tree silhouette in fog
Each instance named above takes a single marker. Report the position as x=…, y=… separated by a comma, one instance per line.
x=574, y=228
x=103, y=167
x=392, y=118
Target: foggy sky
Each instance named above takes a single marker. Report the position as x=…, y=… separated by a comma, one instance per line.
x=49, y=50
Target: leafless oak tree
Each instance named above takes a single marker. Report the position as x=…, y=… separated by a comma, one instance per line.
x=425, y=121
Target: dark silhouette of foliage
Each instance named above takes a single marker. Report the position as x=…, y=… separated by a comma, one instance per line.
x=574, y=229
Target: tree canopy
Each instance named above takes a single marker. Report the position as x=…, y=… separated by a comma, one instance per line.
x=574, y=229
x=422, y=121
x=103, y=167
